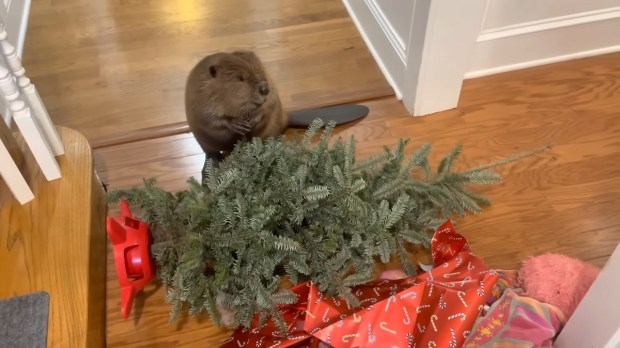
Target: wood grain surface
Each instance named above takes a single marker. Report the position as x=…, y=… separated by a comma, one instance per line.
x=565, y=200
x=56, y=243
x=111, y=68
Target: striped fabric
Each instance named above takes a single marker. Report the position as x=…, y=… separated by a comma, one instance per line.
x=516, y=321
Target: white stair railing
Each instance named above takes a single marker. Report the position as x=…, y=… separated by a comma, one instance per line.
x=9, y=171
x=33, y=122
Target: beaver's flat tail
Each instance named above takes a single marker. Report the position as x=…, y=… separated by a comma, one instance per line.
x=341, y=114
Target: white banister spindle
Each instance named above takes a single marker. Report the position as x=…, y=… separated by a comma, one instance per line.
x=12, y=176
x=30, y=94
x=34, y=138
x=10, y=157
x=32, y=120
x=28, y=126
x=7, y=85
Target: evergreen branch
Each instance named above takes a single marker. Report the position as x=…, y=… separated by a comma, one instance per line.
x=419, y=157
x=357, y=279
x=340, y=180
x=445, y=166
x=397, y=211
x=482, y=177
x=315, y=193
x=311, y=132
x=510, y=159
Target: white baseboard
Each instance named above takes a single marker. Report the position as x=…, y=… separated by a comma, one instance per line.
x=543, y=61
x=550, y=23
x=381, y=41
x=547, y=41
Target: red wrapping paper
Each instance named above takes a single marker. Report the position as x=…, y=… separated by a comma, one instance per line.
x=434, y=309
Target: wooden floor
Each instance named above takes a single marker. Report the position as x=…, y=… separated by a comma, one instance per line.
x=566, y=200
x=111, y=68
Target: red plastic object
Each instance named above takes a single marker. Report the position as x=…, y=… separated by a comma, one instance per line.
x=131, y=239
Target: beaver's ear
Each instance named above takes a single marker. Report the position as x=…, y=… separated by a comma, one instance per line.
x=213, y=70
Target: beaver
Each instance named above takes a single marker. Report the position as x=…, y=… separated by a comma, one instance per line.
x=229, y=97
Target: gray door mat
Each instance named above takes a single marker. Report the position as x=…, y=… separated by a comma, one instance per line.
x=24, y=320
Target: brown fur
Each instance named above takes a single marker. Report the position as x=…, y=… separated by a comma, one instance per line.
x=224, y=103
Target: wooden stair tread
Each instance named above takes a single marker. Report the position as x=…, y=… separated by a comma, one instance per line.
x=57, y=243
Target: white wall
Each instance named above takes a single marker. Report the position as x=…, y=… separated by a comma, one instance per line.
x=15, y=17
x=518, y=34
x=596, y=321
x=501, y=13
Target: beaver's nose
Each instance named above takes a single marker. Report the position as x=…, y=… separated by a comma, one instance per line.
x=263, y=88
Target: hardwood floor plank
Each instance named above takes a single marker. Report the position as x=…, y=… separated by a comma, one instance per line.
x=110, y=67
x=153, y=150
x=175, y=169
x=582, y=232
x=574, y=83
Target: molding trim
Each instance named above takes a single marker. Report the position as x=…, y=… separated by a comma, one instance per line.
x=424, y=73
x=550, y=23
x=375, y=36
x=389, y=31
x=543, y=61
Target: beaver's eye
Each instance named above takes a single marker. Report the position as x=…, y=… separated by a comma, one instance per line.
x=240, y=78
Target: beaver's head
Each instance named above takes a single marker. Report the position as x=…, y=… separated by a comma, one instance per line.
x=236, y=81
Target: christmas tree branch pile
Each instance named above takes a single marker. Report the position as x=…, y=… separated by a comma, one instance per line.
x=277, y=207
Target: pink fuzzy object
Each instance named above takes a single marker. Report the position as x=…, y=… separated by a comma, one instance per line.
x=393, y=274
x=557, y=280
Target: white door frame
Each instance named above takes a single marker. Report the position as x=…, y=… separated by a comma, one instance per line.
x=427, y=70
x=448, y=41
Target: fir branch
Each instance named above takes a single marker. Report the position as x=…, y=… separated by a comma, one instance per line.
x=397, y=211
x=510, y=159
x=315, y=193
x=357, y=279
x=445, y=166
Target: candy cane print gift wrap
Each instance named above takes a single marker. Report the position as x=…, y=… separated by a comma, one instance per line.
x=389, y=313
x=435, y=309
x=318, y=319
x=438, y=309
x=465, y=284
x=269, y=335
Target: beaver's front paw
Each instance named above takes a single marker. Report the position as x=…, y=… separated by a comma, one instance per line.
x=242, y=127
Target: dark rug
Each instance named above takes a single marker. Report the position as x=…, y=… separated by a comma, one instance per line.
x=23, y=320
